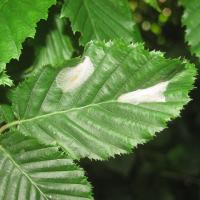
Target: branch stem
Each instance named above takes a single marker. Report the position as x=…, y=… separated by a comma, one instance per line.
x=7, y=126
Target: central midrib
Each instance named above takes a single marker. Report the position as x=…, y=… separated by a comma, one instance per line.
x=17, y=122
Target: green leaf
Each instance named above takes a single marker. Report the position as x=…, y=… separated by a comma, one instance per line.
x=57, y=47
x=82, y=108
x=191, y=21
x=29, y=170
x=154, y=4
x=101, y=20
x=17, y=22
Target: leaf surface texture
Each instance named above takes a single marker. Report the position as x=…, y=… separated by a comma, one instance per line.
x=29, y=170
x=89, y=120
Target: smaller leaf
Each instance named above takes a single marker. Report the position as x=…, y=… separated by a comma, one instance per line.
x=29, y=170
x=18, y=20
x=101, y=20
x=57, y=47
x=191, y=21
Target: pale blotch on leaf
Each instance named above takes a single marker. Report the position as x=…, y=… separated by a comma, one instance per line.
x=147, y=95
x=71, y=78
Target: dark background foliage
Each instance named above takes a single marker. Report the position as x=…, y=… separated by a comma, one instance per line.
x=168, y=167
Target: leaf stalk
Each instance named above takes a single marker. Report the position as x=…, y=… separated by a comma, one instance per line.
x=7, y=126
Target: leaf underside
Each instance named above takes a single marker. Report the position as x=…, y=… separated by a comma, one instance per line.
x=101, y=20
x=17, y=22
x=89, y=121
x=191, y=21
x=57, y=47
x=29, y=170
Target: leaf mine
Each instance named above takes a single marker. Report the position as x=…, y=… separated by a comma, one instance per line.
x=71, y=78
x=147, y=95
